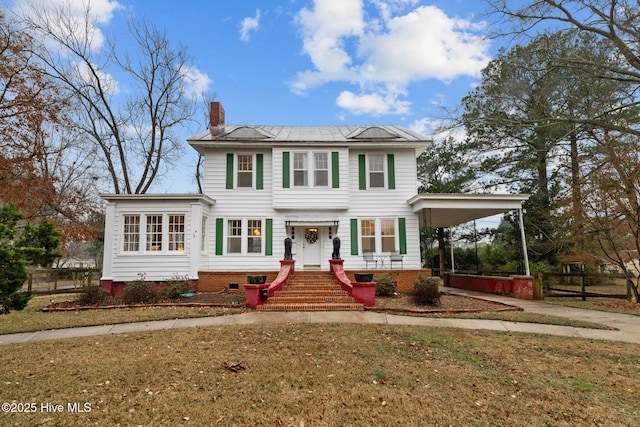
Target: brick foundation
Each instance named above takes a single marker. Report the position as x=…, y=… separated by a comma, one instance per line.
x=404, y=278
x=214, y=281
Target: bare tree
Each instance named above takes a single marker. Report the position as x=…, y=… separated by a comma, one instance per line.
x=134, y=135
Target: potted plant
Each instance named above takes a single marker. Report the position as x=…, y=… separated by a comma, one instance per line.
x=256, y=280
x=363, y=277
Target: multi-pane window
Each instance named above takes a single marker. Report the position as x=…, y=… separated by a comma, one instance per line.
x=203, y=235
x=154, y=232
x=234, y=236
x=245, y=170
x=300, y=170
x=376, y=171
x=176, y=232
x=368, y=233
x=387, y=230
x=254, y=236
x=321, y=170
x=131, y=233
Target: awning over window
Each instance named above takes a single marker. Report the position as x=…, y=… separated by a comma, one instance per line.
x=448, y=210
x=306, y=221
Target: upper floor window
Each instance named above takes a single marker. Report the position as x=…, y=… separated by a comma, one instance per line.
x=245, y=170
x=376, y=171
x=300, y=170
x=321, y=169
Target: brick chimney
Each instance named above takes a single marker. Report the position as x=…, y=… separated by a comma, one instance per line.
x=216, y=118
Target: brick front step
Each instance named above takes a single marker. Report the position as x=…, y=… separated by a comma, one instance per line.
x=311, y=291
x=329, y=306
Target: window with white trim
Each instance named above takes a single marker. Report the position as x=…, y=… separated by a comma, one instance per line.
x=254, y=236
x=388, y=234
x=154, y=233
x=131, y=233
x=234, y=236
x=379, y=235
x=368, y=233
x=300, y=170
x=321, y=170
x=176, y=232
x=245, y=170
x=376, y=170
x=203, y=234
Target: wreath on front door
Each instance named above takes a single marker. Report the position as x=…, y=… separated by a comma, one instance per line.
x=311, y=235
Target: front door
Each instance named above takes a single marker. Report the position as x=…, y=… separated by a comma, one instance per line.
x=312, y=248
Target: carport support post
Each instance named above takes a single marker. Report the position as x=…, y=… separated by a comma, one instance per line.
x=524, y=244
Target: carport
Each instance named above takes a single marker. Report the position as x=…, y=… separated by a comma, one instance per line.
x=449, y=210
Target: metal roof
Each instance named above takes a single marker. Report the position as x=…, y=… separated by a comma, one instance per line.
x=382, y=136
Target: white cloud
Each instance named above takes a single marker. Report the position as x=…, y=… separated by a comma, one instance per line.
x=76, y=14
x=372, y=103
x=197, y=82
x=383, y=55
x=248, y=25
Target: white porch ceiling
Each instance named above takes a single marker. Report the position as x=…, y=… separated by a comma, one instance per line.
x=448, y=210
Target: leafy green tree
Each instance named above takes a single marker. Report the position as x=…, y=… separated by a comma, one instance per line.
x=21, y=246
x=443, y=169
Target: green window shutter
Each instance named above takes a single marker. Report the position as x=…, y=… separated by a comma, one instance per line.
x=259, y=171
x=268, y=239
x=391, y=172
x=335, y=169
x=285, y=169
x=229, y=171
x=402, y=231
x=362, y=172
x=219, y=235
x=354, y=236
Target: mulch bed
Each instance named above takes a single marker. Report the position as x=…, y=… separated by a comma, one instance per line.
x=396, y=304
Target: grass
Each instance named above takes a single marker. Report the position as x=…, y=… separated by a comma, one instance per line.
x=614, y=305
x=33, y=319
x=324, y=375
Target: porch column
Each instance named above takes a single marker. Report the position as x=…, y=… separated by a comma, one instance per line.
x=524, y=244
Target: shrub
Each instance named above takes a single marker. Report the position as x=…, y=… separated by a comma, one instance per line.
x=425, y=290
x=177, y=286
x=386, y=285
x=92, y=295
x=139, y=291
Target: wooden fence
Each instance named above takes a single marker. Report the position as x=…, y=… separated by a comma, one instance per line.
x=583, y=285
x=60, y=279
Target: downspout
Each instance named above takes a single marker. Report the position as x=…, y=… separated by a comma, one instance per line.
x=524, y=244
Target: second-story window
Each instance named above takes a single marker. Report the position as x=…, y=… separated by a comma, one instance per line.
x=321, y=170
x=300, y=170
x=245, y=170
x=376, y=171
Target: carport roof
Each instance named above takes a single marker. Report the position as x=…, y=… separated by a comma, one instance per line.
x=448, y=210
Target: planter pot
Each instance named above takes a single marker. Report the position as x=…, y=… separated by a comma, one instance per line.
x=364, y=277
x=256, y=280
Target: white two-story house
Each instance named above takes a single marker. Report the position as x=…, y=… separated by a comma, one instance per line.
x=263, y=184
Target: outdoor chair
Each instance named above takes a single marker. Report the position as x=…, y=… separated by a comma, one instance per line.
x=396, y=257
x=368, y=257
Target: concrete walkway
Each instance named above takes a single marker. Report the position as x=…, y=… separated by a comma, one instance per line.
x=628, y=327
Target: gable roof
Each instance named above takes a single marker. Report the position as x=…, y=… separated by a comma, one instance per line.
x=379, y=136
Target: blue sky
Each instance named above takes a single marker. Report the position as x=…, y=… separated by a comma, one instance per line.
x=319, y=62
